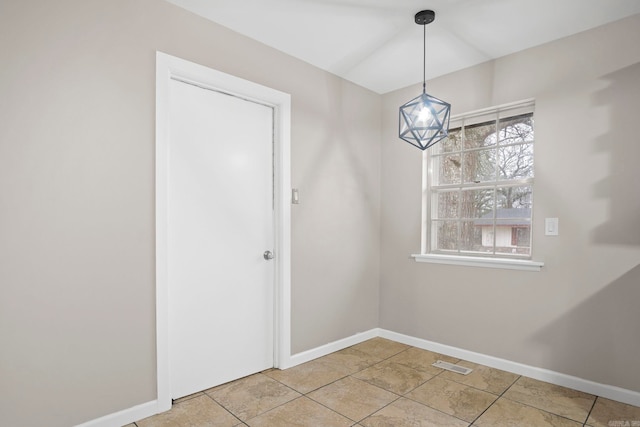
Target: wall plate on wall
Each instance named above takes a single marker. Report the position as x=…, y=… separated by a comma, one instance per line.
x=551, y=226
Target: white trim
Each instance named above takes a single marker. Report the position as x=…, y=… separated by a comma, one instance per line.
x=124, y=417
x=476, y=116
x=168, y=67
x=604, y=390
x=608, y=391
x=424, y=235
x=282, y=249
x=332, y=347
x=469, y=261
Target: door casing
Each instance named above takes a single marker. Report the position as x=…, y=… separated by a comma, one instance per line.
x=170, y=67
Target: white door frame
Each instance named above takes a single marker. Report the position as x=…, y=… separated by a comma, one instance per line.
x=169, y=67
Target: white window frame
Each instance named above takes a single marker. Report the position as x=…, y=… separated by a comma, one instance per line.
x=494, y=260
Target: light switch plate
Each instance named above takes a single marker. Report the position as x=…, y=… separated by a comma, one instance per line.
x=551, y=226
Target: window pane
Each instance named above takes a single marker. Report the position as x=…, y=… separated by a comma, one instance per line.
x=447, y=169
x=515, y=161
x=445, y=205
x=471, y=238
x=477, y=204
x=515, y=198
x=516, y=129
x=477, y=233
x=513, y=220
x=451, y=143
x=480, y=135
x=506, y=245
x=446, y=233
x=479, y=166
x=523, y=236
x=487, y=237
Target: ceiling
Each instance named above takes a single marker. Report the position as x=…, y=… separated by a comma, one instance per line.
x=376, y=43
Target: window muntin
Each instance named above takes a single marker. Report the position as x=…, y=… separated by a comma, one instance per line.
x=479, y=188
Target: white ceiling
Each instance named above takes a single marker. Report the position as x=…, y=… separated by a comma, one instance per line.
x=377, y=44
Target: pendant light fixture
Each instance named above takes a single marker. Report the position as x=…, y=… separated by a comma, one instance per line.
x=424, y=120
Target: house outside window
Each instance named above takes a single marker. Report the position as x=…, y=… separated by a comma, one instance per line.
x=478, y=185
x=511, y=229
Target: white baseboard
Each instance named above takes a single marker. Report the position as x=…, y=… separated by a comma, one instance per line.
x=148, y=409
x=608, y=391
x=314, y=353
x=630, y=397
x=124, y=417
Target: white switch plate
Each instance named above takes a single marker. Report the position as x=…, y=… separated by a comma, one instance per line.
x=551, y=226
x=295, y=196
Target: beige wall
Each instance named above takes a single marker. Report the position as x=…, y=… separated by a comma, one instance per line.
x=579, y=315
x=77, y=107
x=77, y=111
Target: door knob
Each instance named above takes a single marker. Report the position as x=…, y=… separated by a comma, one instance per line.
x=268, y=255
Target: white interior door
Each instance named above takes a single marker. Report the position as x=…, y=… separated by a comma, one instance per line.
x=220, y=222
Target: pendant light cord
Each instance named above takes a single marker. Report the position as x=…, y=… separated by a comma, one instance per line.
x=424, y=58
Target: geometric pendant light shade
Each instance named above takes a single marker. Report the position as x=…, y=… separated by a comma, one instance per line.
x=424, y=120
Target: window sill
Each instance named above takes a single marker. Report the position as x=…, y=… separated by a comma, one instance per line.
x=509, y=264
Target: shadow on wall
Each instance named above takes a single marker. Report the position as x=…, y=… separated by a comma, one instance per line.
x=599, y=338
x=622, y=143
x=335, y=158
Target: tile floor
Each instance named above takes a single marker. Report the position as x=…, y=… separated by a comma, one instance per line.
x=384, y=383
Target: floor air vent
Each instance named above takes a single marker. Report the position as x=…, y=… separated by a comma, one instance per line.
x=451, y=367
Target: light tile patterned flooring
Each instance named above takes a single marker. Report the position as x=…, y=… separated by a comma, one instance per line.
x=384, y=383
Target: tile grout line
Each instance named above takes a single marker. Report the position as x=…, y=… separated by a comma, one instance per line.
x=338, y=379
x=351, y=375
x=311, y=391
x=223, y=407
x=187, y=397
x=376, y=411
x=501, y=396
x=404, y=396
x=553, y=413
x=498, y=398
x=262, y=413
x=442, y=371
x=435, y=409
x=272, y=409
x=544, y=410
x=586, y=420
x=333, y=410
x=431, y=407
x=400, y=396
x=428, y=406
x=540, y=409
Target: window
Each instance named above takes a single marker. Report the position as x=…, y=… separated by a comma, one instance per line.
x=478, y=192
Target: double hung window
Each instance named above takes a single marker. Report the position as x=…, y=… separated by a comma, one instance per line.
x=478, y=185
